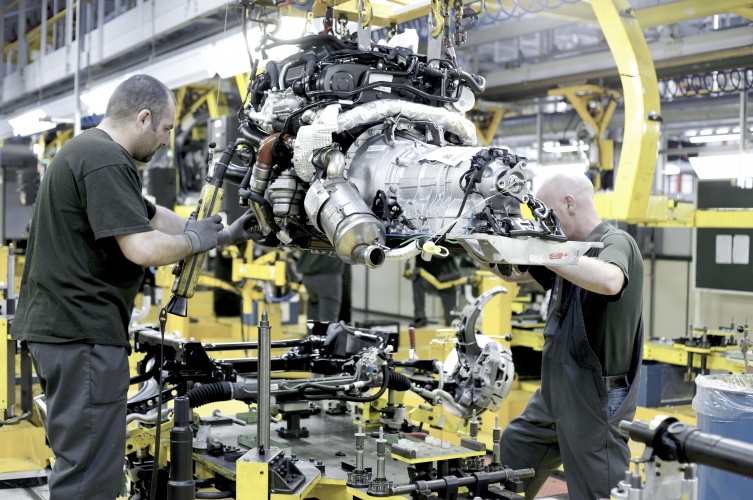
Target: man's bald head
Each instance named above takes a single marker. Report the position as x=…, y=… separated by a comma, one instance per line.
x=561, y=184
x=571, y=196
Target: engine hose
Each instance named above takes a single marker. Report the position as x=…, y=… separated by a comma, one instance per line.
x=357, y=399
x=210, y=393
x=374, y=397
x=274, y=75
x=404, y=253
x=253, y=135
x=475, y=85
x=399, y=382
x=266, y=209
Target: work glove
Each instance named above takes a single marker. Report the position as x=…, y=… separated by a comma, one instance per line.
x=243, y=229
x=203, y=233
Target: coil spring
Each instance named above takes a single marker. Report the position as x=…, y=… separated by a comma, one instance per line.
x=493, y=12
x=712, y=83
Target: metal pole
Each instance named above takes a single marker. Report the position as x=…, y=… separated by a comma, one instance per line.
x=77, y=73
x=265, y=366
x=539, y=136
x=743, y=121
x=180, y=485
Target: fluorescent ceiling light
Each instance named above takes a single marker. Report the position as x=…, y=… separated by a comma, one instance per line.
x=229, y=57
x=30, y=123
x=715, y=138
x=566, y=148
x=96, y=98
x=723, y=166
x=671, y=169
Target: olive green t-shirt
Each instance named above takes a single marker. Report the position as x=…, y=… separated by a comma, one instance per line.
x=77, y=285
x=611, y=321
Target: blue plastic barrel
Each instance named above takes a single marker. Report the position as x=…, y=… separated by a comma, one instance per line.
x=724, y=404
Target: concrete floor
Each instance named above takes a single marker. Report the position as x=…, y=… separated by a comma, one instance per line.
x=35, y=493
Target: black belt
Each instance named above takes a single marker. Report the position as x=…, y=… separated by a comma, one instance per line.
x=616, y=382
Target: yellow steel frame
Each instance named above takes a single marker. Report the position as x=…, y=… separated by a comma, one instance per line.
x=595, y=106
x=7, y=370
x=440, y=285
x=252, y=480
x=216, y=103
x=23, y=449
x=663, y=14
x=637, y=162
x=34, y=36
x=249, y=271
x=677, y=354
x=494, y=115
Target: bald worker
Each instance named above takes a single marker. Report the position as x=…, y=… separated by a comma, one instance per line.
x=592, y=352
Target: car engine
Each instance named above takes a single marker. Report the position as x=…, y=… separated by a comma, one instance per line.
x=369, y=154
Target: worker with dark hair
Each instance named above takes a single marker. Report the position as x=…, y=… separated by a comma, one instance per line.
x=91, y=236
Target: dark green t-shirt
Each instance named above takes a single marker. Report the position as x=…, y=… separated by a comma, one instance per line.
x=77, y=285
x=611, y=321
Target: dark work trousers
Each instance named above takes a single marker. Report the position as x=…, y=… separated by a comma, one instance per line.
x=448, y=297
x=86, y=387
x=325, y=296
x=565, y=422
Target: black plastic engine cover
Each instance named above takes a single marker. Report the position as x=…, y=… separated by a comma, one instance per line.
x=343, y=79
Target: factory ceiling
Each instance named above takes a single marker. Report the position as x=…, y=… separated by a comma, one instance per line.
x=520, y=47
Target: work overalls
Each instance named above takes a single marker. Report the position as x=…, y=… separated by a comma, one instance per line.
x=564, y=421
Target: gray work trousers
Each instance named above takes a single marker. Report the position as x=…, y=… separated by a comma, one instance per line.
x=86, y=387
x=325, y=296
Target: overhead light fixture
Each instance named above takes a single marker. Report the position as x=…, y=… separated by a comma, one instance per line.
x=671, y=169
x=702, y=139
x=96, y=98
x=565, y=148
x=723, y=166
x=30, y=123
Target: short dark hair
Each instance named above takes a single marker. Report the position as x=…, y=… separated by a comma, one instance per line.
x=137, y=93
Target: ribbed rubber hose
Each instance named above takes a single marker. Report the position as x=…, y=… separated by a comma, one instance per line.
x=210, y=393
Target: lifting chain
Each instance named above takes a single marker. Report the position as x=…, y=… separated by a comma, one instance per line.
x=309, y=24
x=329, y=20
x=342, y=26
x=436, y=20
x=548, y=218
x=460, y=33
x=366, y=13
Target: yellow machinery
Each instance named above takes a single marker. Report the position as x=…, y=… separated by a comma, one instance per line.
x=24, y=453
x=249, y=278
